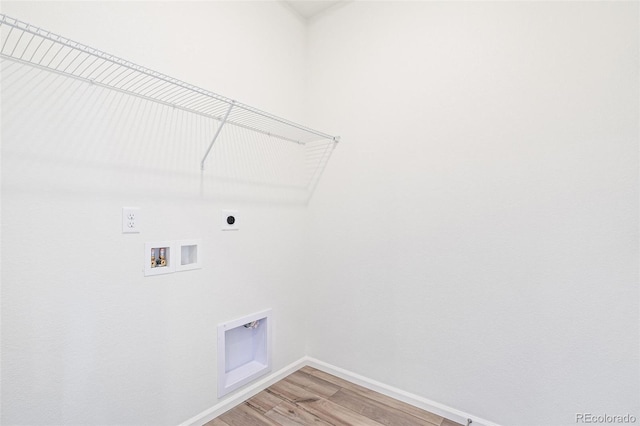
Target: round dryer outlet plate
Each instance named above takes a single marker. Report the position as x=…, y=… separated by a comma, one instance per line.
x=230, y=221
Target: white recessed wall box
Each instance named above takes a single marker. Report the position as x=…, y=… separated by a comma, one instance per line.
x=244, y=351
x=159, y=258
x=190, y=252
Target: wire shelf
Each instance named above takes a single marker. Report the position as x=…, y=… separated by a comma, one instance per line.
x=27, y=44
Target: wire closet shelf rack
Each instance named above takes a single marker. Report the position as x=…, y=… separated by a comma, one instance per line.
x=27, y=44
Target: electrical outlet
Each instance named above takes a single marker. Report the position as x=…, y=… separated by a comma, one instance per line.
x=130, y=220
x=230, y=220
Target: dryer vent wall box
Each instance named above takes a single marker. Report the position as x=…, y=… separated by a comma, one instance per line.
x=244, y=351
x=230, y=220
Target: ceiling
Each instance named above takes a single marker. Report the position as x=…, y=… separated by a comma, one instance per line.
x=307, y=9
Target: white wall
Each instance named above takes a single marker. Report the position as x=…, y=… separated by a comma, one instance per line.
x=485, y=200
x=473, y=241
x=86, y=339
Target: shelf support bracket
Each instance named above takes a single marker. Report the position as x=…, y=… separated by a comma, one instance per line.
x=224, y=120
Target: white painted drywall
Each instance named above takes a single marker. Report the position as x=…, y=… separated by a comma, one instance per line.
x=475, y=237
x=86, y=339
x=473, y=241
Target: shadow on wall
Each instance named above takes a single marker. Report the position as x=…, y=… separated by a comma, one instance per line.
x=68, y=135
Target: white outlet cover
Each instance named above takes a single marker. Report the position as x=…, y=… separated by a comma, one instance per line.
x=230, y=216
x=131, y=220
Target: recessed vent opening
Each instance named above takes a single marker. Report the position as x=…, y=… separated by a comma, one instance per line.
x=244, y=351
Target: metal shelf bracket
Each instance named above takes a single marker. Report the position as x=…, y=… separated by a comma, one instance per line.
x=215, y=136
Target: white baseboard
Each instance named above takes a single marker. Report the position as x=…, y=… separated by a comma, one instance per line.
x=244, y=394
x=415, y=400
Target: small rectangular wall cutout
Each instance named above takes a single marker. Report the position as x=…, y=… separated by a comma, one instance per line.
x=159, y=258
x=190, y=255
x=244, y=351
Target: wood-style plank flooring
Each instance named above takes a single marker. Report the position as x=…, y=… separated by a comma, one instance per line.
x=313, y=397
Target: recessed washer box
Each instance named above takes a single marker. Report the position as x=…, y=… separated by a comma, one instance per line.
x=244, y=351
x=159, y=258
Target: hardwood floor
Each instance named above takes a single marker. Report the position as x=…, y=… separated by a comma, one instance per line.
x=313, y=397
